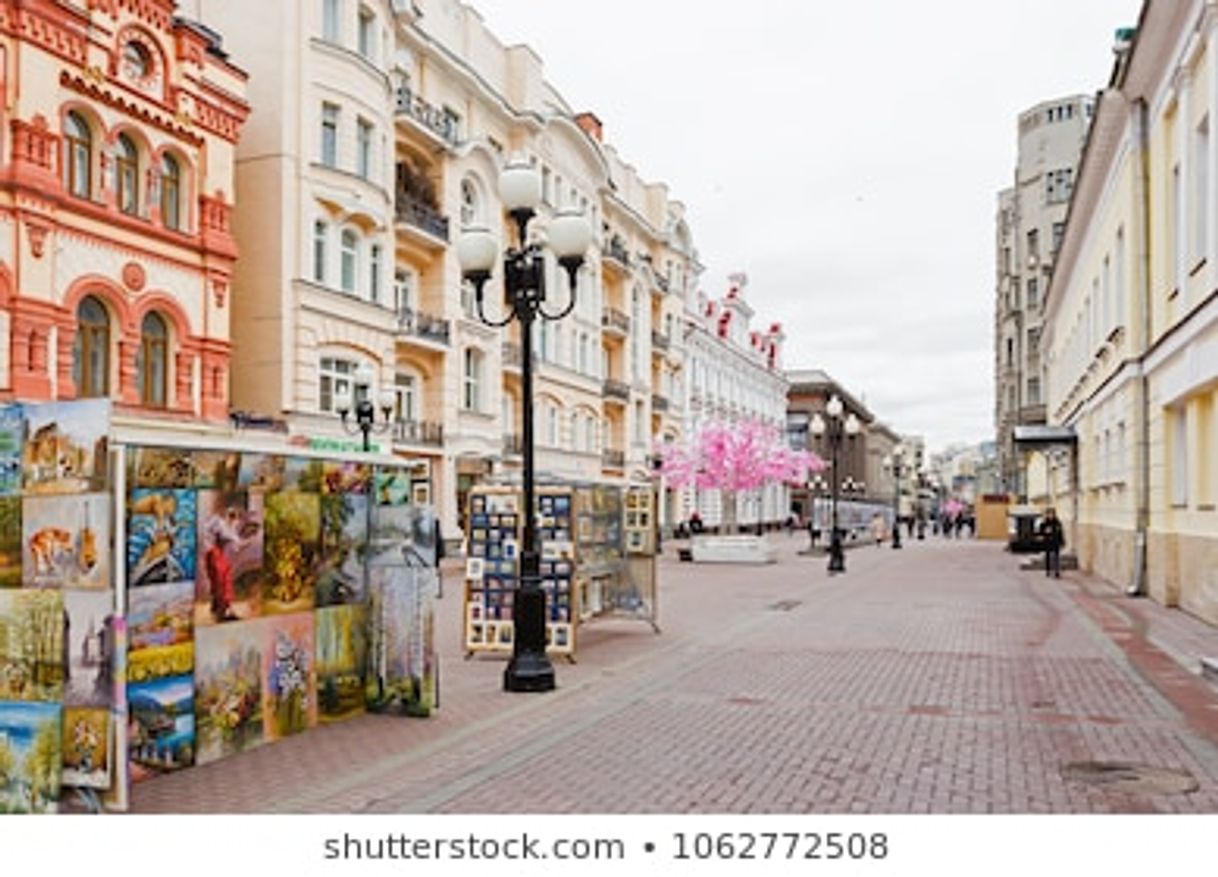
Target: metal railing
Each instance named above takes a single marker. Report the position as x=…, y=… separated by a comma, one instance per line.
x=513, y=445
x=422, y=325
x=430, y=117
x=659, y=403
x=615, y=389
x=612, y=318
x=613, y=459
x=660, y=341
x=615, y=249
x=414, y=212
x=417, y=432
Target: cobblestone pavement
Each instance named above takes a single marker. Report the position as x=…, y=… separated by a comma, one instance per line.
x=935, y=679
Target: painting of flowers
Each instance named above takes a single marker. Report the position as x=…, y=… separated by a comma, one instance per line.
x=289, y=687
x=86, y=747
x=228, y=689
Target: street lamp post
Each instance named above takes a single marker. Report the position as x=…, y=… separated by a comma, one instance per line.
x=345, y=398
x=895, y=463
x=817, y=485
x=835, y=429
x=524, y=271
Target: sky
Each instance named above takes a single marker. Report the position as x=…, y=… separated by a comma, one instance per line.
x=845, y=156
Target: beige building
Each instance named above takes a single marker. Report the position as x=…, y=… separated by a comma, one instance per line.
x=380, y=131
x=1030, y=222
x=1132, y=316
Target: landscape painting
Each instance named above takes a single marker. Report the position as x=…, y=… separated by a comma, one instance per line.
x=262, y=472
x=303, y=473
x=160, y=536
x=88, y=636
x=397, y=663
x=66, y=541
x=228, y=689
x=293, y=537
x=160, y=662
x=65, y=447
x=160, y=725
x=10, y=542
x=344, y=543
x=341, y=477
x=12, y=446
x=160, y=615
x=289, y=679
x=217, y=470
x=31, y=645
x=163, y=467
x=86, y=747
x=30, y=759
x=342, y=649
x=230, y=560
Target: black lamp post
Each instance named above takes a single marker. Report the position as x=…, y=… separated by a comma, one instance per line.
x=895, y=463
x=365, y=412
x=817, y=485
x=524, y=274
x=835, y=430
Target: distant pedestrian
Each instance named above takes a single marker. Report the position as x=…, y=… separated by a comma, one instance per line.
x=1053, y=539
x=878, y=528
x=959, y=523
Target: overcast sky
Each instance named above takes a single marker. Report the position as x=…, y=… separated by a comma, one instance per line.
x=846, y=156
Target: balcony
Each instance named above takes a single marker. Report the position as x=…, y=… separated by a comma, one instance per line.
x=614, y=251
x=435, y=121
x=660, y=342
x=611, y=459
x=513, y=356
x=513, y=445
x=662, y=282
x=616, y=390
x=416, y=324
x=421, y=215
x=614, y=321
x=415, y=432
x=659, y=404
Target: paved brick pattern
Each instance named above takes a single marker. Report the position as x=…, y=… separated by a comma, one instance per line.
x=935, y=679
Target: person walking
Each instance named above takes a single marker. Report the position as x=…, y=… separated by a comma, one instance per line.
x=1052, y=538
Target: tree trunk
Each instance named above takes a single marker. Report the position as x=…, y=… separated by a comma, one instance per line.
x=729, y=511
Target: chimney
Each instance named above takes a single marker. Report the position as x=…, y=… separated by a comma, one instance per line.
x=592, y=125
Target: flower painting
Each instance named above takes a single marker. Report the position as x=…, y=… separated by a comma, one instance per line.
x=228, y=688
x=289, y=683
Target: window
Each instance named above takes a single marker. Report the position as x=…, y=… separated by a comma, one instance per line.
x=363, y=149
x=577, y=437
x=1033, y=293
x=1200, y=193
x=137, y=63
x=374, y=273
x=331, y=16
x=1033, y=342
x=1059, y=232
x=1106, y=292
x=1119, y=316
x=471, y=399
x=329, y=135
x=1179, y=462
x=636, y=329
x=91, y=352
x=1010, y=352
x=590, y=434
x=349, y=245
x=1033, y=245
x=78, y=156
x=1058, y=185
x=150, y=361
x=1176, y=213
x=320, y=233
x=551, y=425
x=336, y=377
x=583, y=354
x=403, y=397
x=470, y=206
x=1033, y=391
x=401, y=292
x=639, y=425
x=127, y=175
x=367, y=33
x=452, y=123
x=171, y=192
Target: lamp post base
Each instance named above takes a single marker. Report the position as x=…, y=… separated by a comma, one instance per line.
x=529, y=671
x=837, y=556
x=530, y=668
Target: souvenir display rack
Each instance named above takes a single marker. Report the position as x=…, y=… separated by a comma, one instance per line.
x=586, y=571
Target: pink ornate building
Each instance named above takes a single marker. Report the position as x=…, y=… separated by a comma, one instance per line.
x=117, y=136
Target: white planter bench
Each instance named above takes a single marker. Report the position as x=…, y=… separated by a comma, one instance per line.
x=733, y=549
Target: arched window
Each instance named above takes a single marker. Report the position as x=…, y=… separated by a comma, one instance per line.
x=150, y=361
x=471, y=206
x=137, y=63
x=471, y=399
x=349, y=244
x=320, y=235
x=78, y=156
x=171, y=192
x=127, y=175
x=91, y=352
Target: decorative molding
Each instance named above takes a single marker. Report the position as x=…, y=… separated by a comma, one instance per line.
x=37, y=230
x=134, y=277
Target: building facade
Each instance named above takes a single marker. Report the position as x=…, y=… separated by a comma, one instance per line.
x=1132, y=317
x=732, y=374
x=119, y=124
x=1030, y=223
x=379, y=138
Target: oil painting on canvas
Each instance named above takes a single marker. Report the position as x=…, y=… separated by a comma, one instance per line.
x=230, y=543
x=228, y=688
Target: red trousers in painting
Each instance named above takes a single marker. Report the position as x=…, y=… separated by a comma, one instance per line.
x=220, y=574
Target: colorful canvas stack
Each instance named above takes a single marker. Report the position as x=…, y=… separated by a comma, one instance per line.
x=59, y=636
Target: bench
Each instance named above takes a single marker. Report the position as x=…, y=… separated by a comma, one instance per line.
x=733, y=549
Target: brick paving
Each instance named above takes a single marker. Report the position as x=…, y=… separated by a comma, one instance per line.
x=935, y=679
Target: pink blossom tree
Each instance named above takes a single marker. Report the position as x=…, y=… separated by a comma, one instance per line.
x=735, y=458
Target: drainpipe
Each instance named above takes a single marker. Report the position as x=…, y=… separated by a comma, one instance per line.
x=1138, y=586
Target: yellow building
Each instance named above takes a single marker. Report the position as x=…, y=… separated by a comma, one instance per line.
x=1132, y=316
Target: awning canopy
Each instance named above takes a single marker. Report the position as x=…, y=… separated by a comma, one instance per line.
x=1031, y=436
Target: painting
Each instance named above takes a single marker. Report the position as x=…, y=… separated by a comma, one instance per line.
x=289, y=684
x=12, y=446
x=88, y=637
x=398, y=640
x=10, y=542
x=160, y=615
x=262, y=472
x=30, y=760
x=65, y=541
x=303, y=473
x=216, y=470
x=31, y=645
x=228, y=689
x=292, y=543
x=160, y=536
x=344, y=544
x=65, y=447
x=160, y=725
x=392, y=487
x=86, y=747
x=341, y=639
x=345, y=478
x=230, y=545
x=163, y=467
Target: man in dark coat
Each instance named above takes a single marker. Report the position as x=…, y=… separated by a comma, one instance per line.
x=1052, y=538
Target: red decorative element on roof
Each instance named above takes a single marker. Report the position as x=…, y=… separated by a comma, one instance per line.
x=775, y=328
x=725, y=319
x=157, y=13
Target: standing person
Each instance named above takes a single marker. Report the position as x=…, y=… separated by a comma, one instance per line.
x=1052, y=537
x=877, y=528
